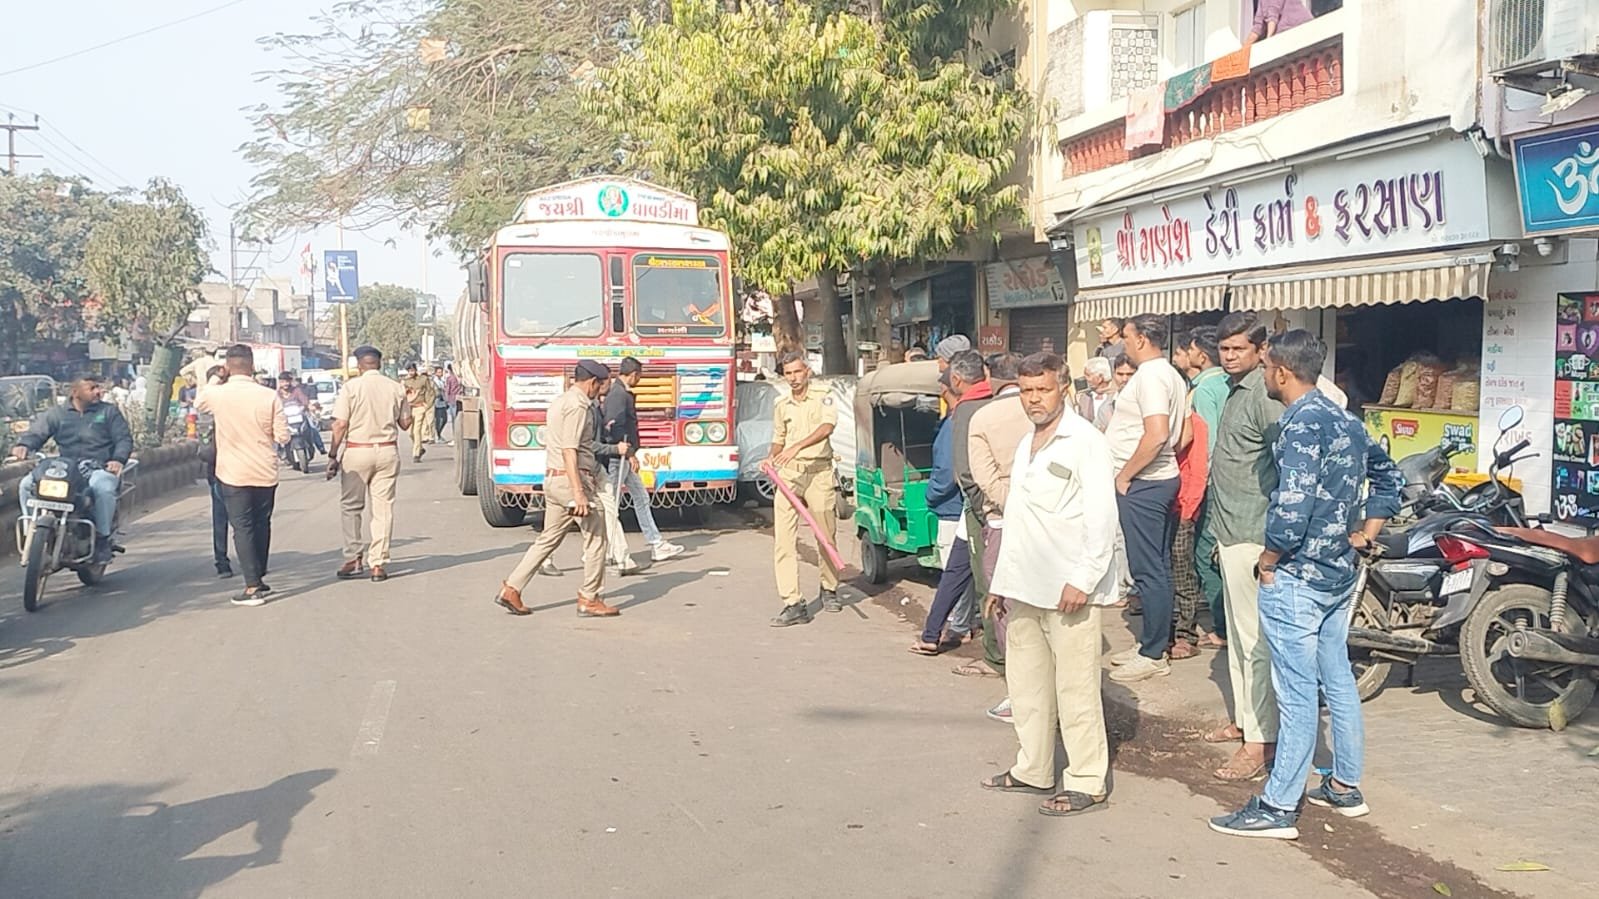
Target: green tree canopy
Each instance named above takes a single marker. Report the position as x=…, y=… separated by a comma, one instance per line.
x=144, y=262
x=45, y=223
x=385, y=317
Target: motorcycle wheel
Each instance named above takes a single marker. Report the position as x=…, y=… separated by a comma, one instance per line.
x=1523, y=692
x=37, y=569
x=1371, y=675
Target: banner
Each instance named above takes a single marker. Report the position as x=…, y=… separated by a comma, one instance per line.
x=341, y=278
x=1146, y=117
x=1184, y=89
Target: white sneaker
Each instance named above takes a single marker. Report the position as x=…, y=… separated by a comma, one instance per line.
x=1001, y=712
x=549, y=568
x=251, y=601
x=1118, y=659
x=1141, y=668
x=662, y=551
x=628, y=566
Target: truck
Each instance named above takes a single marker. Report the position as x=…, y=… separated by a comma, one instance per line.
x=603, y=269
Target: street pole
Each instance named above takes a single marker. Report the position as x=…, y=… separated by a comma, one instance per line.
x=11, y=128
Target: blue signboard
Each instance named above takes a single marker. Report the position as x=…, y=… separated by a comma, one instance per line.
x=1557, y=176
x=341, y=278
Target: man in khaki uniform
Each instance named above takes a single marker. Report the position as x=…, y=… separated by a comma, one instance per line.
x=571, y=494
x=419, y=392
x=368, y=417
x=801, y=424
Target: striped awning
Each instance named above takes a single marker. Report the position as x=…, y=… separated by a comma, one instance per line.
x=1158, y=298
x=1357, y=282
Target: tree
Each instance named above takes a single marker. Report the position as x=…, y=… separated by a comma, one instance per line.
x=444, y=117
x=45, y=223
x=385, y=316
x=394, y=333
x=823, y=139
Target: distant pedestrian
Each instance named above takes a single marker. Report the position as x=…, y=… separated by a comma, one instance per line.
x=452, y=397
x=1111, y=346
x=1208, y=387
x=802, y=423
x=1307, y=575
x=1055, y=573
x=206, y=433
x=1144, y=432
x=419, y=393
x=249, y=428
x=946, y=349
x=620, y=414
x=1101, y=391
x=441, y=406
x=368, y=416
x=571, y=496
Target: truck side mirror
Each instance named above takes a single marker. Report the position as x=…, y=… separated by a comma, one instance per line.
x=477, y=281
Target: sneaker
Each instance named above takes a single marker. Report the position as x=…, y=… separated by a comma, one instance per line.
x=1119, y=659
x=831, y=602
x=258, y=598
x=1001, y=712
x=224, y=570
x=794, y=613
x=662, y=551
x=627, y=567
x=1350, y=803
x=1257, y=819
x=549, y=568
x=1141, y=667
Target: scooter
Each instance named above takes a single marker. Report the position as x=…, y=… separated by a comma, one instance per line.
x=299, y=448
x=1410, y=602
x=57, y=531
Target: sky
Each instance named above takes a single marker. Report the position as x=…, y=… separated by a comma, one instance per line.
x=170, y=103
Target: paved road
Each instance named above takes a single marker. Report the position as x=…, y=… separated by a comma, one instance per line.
x=408, y=739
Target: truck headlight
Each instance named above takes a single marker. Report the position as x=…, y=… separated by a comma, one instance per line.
x=694, y=432
x=716, y=432
x=521, y=435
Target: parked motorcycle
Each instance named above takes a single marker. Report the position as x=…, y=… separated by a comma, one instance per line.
x=1410, y=599
x=1424, y=474
x=299, y=449
x=57, y=530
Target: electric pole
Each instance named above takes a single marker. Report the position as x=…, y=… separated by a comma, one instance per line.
x=11, y=128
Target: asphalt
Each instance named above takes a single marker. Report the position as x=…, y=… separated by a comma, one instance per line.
x=409, y=739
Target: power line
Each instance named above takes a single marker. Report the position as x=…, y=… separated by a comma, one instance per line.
x=118, y=40
x=77, y=163
x=126, y=181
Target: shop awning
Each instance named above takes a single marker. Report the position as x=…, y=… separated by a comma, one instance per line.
x=1159, y=298
x=1367, y=282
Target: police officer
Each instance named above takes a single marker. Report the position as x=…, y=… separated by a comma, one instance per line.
x=368, y=417
x=801, y=424
x=571, y=494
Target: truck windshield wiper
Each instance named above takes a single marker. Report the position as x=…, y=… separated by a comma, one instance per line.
x=565, y=328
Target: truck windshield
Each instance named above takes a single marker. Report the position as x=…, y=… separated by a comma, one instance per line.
x=546, y=292
x=678, y=295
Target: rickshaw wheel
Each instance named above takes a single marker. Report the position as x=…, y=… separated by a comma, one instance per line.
x=874, y=560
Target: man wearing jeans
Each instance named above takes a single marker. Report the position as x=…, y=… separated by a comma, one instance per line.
x=1143, y=434
x=620, y=415
x=249, y=429
x=1307, y=574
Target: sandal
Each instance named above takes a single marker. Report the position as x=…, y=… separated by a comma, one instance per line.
x=1004, y=783
x=1235, y=770
x=1227, y=733
x=1182, y=649
x=1211, y=641
x=975, y=668
x=926, y=649
x=1072, y=803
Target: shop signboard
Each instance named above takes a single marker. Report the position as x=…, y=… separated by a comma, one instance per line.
x=1405, y=432
x=992, y=339
x=1407, y=199
x=913, y=304
x=1557, y=177
x=1019, y=283
x=1576, y=440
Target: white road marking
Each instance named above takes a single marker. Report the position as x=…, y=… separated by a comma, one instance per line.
x=377, y=715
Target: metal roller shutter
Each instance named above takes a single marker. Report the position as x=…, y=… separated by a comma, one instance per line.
x=1029, y=328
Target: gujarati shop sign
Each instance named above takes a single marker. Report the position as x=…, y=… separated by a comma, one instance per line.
x=1408, y=199
x=1557, y=178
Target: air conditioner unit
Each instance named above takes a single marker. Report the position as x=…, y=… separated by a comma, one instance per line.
x=1527, y=35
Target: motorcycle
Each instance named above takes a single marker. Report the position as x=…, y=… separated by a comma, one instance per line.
x=298, y=451
x=1424, y=474
x=1410, y=599
x=57, y=530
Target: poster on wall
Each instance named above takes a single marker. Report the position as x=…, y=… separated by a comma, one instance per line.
x=1576, y=440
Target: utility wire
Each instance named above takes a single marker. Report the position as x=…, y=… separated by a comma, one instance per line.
x=126, y=181
x=118, y=40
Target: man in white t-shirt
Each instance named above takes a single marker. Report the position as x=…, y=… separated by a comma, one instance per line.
x=1143, y=434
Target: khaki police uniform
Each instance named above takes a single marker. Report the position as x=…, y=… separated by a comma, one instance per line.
x=371, y=406
x=569, y=427
x=421, y=391
x=810, y=475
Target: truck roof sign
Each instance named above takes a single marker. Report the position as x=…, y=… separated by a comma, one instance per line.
x=608, y=199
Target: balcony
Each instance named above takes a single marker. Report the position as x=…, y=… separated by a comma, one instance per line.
x=1300, y=78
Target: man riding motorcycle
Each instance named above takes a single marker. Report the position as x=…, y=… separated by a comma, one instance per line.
x=88, y=431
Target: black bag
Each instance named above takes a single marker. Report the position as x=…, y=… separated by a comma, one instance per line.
x=205, y=426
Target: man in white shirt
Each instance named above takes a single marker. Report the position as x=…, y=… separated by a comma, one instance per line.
x=1143, y=434
x=1055, y=574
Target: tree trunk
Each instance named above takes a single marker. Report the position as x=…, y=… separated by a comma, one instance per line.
x=882, y=308
x=785, y=324
x=835, y=348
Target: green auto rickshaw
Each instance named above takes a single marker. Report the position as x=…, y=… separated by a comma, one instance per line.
x=896, y=418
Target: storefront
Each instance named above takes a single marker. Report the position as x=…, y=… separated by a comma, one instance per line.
x=1028, y=298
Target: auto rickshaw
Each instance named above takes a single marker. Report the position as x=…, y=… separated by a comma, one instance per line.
x=896, y=419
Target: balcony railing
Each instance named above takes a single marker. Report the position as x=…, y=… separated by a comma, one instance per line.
x=1304, y=78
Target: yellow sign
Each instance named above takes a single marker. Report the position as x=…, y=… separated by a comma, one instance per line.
x=676, y=262
x=1405, y=432
x=610, y=351
x=652, y=461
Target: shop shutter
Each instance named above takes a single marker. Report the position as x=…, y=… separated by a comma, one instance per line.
x=1029, y=328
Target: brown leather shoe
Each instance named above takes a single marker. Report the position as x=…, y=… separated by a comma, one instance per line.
x=379, y=574
x=511, y=601
x=350, y=569
x=595, y=608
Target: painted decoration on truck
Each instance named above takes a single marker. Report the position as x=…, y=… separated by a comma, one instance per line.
x=615, y=199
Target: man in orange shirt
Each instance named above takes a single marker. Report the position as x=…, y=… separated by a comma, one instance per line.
x=1193, y=467
x=249, y=428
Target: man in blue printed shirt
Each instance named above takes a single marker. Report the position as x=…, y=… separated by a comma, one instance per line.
x=1307, y=577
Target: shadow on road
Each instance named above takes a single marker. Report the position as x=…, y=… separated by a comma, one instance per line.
x=112, y=839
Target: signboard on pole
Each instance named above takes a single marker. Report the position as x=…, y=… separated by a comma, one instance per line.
x=340, y=276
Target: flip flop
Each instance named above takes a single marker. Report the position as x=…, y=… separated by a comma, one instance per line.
x=975, y=668
x=926, y=649
x=1221, y=735
x=1182, y=649
x=1004, y=783
x=1076, y=804
x=1229, y=774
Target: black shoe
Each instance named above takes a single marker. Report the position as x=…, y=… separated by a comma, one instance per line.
x=797, y=613
x=224, y=570
x=103, y=550
x=831, y=602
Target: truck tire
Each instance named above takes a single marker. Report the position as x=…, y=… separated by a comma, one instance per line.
x=466, y=466
x=495, y=513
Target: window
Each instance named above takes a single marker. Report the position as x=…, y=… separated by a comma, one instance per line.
x=1188, y=38
x=678, y=295
x=553, y=295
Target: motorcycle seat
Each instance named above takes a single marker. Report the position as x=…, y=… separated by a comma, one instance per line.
x=1583, y=549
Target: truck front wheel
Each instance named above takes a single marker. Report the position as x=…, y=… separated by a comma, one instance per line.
x=495, y=513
